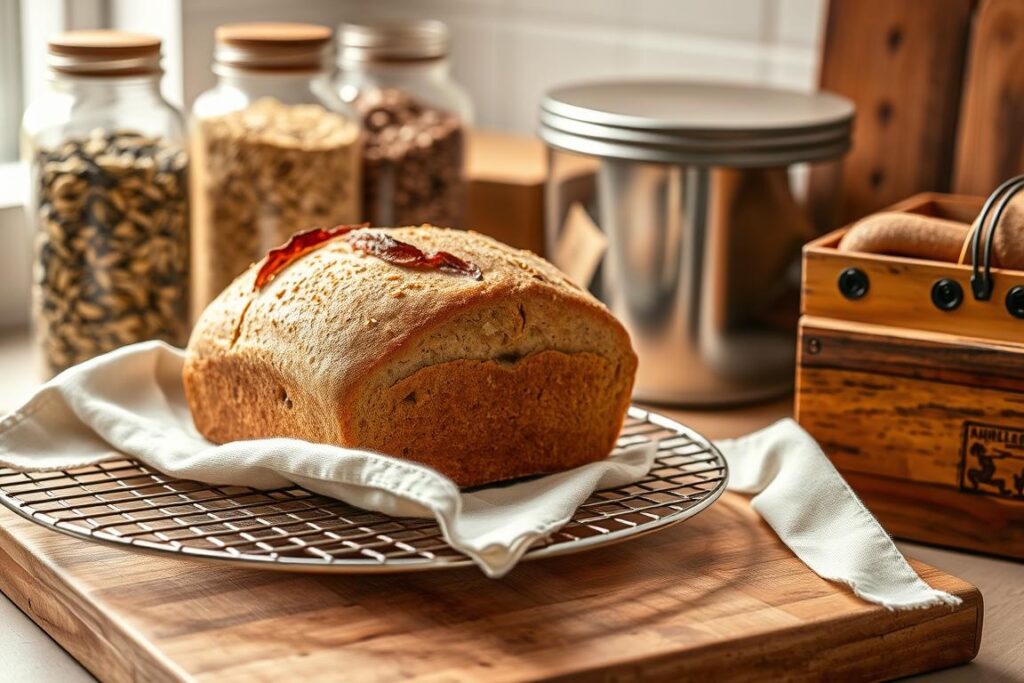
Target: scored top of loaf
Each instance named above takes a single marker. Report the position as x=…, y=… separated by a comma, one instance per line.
x=337, y=318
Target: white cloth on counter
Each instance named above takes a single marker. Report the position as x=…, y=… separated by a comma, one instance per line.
x=131, y=402
x=802, y=496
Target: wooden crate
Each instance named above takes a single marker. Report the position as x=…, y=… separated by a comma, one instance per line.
x=921, y=409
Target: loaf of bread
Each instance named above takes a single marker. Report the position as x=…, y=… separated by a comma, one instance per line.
x=518, y=373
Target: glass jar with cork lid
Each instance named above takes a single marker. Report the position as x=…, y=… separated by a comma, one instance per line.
x=275, y=149
x=397, y=76
x=109, y=200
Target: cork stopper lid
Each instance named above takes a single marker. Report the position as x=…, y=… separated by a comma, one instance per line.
x=104, y=53
x=272, y=46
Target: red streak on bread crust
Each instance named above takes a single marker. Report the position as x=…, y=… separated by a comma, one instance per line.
x=389, y=249
x=300, y=244
x=384, y=247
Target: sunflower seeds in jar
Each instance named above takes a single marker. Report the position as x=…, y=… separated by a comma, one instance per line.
x=112, y=261
x=109, y=204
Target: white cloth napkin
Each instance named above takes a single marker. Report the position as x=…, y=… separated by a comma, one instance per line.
x=814, y=511
x=131, y=402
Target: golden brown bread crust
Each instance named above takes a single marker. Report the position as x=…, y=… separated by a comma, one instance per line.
x=517, y=374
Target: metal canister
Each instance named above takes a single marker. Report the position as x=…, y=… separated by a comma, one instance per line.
x=683, y=206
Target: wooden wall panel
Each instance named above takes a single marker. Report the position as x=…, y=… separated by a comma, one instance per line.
x=990, y=141
x=901, y=62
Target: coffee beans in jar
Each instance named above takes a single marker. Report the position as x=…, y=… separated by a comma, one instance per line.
x=397, y=76
x=412, y=162
x=266, y=172
x=112, y=262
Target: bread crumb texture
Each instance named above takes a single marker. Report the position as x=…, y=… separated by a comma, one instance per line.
x=519, y=373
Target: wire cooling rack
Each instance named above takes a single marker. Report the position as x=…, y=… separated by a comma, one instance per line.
x=125, y=503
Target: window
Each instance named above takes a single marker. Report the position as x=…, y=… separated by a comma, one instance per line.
x=25, y=26
x=10, y=80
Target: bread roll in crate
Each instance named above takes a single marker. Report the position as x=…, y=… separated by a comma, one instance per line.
x=911, y=369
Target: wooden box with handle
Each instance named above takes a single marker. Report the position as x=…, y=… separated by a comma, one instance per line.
x=911, y=376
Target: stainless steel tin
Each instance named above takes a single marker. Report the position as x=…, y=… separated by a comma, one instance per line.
x=689, y=185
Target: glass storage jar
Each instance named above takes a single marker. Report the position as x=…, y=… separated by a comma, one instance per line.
x=108, y=200
x=397, y=77
x=684, y=207
x=275, y=150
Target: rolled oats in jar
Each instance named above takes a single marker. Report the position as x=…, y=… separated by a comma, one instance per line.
x=396, y=76
x=109, y=201
x=275, y=149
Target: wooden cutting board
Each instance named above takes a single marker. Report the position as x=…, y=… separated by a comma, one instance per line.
x=717, y=597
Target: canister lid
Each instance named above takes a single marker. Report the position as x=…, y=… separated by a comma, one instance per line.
x=697, y=123
x=411, y=40
x=272, y=46
x=104, y=53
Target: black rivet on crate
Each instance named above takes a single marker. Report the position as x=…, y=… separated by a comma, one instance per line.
x=1015, y=301
x=876, y=178
x=854, y=283
x=884, y=112
x=895, y=38
x=947, y=295
x=814, y=346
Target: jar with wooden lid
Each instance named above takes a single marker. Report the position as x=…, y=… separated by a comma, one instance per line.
x=275, y=149
x=109, y=200
x=397, y=76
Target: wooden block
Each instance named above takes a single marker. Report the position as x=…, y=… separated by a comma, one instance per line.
x=990, y=140
x=715, y=598
x=901, y=62
x=505, y=193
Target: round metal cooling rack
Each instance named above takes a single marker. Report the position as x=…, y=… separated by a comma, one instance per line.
x=127, y=504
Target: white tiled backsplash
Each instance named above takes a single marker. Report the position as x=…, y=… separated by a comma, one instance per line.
x=508, y=52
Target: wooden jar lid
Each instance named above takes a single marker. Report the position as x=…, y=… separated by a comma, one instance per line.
x=272, y=34
x=272, y=46
x=104, y=53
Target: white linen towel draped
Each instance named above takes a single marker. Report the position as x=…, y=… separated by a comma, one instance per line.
x=131, y=402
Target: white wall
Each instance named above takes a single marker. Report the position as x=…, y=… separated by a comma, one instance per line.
x=508, y=52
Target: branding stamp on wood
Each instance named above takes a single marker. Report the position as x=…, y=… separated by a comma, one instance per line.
x=992, y=460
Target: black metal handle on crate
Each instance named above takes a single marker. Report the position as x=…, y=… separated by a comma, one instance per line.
x=981, y=274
